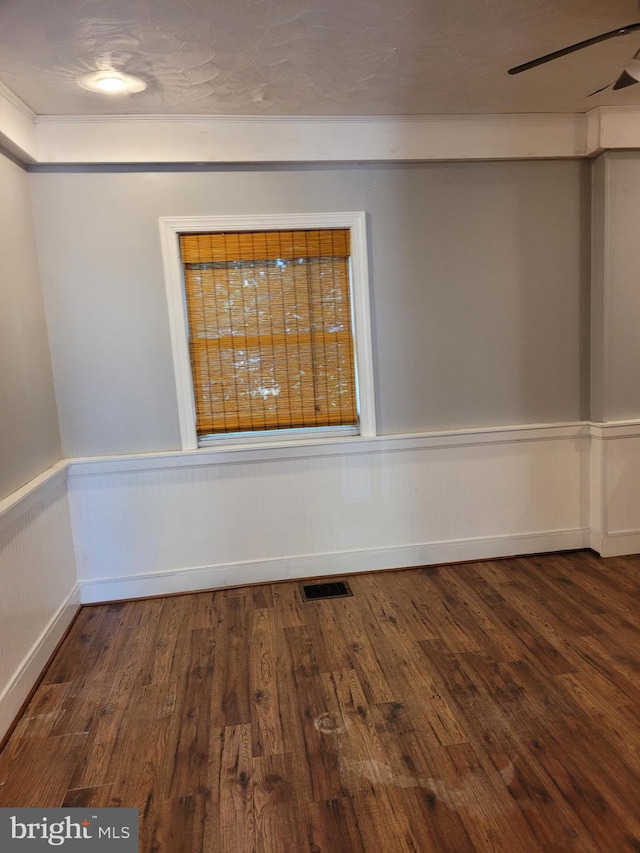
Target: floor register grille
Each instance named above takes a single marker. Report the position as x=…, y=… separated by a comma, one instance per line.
x=332, y=589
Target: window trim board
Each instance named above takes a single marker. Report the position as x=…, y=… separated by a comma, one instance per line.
x=172, y=227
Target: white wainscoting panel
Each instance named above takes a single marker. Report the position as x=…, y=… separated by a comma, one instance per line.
x=161, y=523
x=597, y=504
x=173, y=522
x=620, y=487
x=40, y=594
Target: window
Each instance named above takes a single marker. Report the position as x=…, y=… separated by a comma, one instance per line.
x=270, y=326
x=269, y=317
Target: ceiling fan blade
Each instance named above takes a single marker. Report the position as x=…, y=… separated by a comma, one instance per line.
x=548, y=57
x=624, y=80
x=597, y=91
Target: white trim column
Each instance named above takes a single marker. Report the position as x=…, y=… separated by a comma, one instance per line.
x=615, y=355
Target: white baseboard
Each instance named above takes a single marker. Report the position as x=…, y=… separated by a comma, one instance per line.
x=618, y=544
x=318, y=565
x=615, y=491
x=25, y=677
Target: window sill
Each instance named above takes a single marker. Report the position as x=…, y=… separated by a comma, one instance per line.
x=275, y=436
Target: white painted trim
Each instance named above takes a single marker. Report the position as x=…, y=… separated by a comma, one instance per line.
x=33, y=492
x=176, y=303
x=296, y=139
x=314, y=448
x=621, y=534
x=148, y=139
x=604, y=492
x=270, y=435
x=608, y=289
x=611, y=128
x=82, y=471
x=357, y=504
x=15, y=101
x=31, y=667
x=615, y=429
x=336, y=563
x=172, y=227
x=17, y=128
x=618, y=544
x=361, y=309
x=619, y=128
x=596, y=543
x=606, y=438
x=595, y=495
x=593, y=132
x=287, y=120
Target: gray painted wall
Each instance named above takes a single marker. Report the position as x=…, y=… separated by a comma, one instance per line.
x=480, y=288
x=616, y=287
x=599, y=257
x=29, y=435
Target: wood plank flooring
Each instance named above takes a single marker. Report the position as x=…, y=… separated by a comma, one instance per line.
x=491, y=706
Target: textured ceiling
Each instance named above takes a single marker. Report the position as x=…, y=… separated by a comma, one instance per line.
x=314, y=57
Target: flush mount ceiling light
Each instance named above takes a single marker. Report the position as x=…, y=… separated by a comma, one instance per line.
x=112, y=83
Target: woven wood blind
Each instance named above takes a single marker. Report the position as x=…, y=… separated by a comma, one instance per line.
x=270, y=329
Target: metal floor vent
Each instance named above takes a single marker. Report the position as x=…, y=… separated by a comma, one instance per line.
x=333, y=589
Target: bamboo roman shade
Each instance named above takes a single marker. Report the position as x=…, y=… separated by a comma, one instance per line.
x=270, y=329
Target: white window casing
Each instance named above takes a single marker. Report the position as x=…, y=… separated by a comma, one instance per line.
x=170, y=230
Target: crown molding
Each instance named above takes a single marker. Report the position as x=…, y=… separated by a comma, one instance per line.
x=14, y=100
x=218, y=140
x=489, y=119
x=224, y=139
x=17, y=127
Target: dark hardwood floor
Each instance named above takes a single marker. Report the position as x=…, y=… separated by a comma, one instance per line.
x=490, y=706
